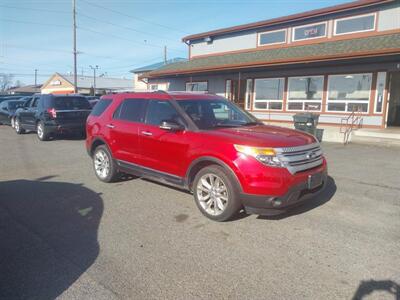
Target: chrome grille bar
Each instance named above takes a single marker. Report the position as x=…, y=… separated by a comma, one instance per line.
x=301, y=158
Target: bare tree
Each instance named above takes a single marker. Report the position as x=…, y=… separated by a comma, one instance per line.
x=5, y=81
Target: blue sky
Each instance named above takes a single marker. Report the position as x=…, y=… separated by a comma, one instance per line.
x=117, y=35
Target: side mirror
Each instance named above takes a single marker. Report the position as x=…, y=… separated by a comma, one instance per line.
x=171, y=126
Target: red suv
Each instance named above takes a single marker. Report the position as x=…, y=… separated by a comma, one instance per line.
x=205, y=144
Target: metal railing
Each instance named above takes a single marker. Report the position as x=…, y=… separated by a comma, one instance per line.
x=350, y=123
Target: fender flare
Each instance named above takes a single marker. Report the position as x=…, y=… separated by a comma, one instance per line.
x=213, y=160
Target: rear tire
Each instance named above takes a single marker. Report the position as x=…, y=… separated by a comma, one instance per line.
x=42, y=132
x=216, y=193
x=104, y=165
x=17, y=127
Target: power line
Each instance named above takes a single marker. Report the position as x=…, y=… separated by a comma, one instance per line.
x=35, y=9
x=134, y=66
x=93, y=31
x=37, y=49
x=128, y=40
x=35, y=23
x=122, y=26
x=135, y=18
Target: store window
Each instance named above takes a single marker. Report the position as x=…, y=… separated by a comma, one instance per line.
x=269, y=93
x=309, y=32
x=272, y=37
x=350, y=92
x=380, y=91
x=197, y=86
x=249, y=92
x=153, y=87
x=305, y=93
x=355, y=24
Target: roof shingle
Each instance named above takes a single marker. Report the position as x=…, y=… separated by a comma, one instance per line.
x=341, y=49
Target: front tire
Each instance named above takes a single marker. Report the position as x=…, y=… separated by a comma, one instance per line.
x=104, y=165
x=216, y=193
x=42, y=132
x=17, y=127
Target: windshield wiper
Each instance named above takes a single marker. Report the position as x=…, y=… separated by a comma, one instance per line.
x=251, y=123
x=227, y=125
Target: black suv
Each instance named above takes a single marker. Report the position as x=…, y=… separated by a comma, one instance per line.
x=48, y=114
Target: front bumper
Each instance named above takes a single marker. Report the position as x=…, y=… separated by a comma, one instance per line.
x=275, y=205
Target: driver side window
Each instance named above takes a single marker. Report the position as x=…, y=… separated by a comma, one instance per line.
x=159, y=110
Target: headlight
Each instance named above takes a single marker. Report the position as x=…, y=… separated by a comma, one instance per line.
x=266, y=156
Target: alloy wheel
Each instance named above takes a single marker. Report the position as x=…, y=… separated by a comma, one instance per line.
x=212, y=194
x=101, y=164
x=40, y=130
x=16, y=125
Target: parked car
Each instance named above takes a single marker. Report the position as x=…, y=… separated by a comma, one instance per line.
x=93, y=102
x=8, y=109
x=205, y=144
x=51, y=114
x=8, y=97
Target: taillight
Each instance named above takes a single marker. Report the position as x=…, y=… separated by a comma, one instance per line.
x=52, y=112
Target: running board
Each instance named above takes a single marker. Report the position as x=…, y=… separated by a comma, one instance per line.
x=152, y=174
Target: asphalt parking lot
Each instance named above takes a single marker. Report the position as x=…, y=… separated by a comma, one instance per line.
x=65, y=234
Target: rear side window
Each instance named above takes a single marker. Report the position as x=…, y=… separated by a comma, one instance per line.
x=100, y=107
x=71, y=103
x=131, y=110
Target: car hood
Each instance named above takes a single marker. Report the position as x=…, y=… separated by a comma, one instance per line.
x=264, y=136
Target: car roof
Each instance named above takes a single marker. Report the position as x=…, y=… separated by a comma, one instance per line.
x=161, y=95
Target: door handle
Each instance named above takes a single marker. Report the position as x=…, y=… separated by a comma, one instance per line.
x=148, y=133
x=110, y=126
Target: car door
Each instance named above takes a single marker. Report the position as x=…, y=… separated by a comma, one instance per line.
x=30, y=117
x=123, y=129
x=27, y=113
x=22, y=112
x=4, y=112
x=163, y=150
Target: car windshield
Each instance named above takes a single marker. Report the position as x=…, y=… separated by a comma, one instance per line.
x=12, y=105
x=72, y=103
x=209, y=114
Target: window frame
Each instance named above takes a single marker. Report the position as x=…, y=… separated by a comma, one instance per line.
x=354, y=17
x=309, y=25
x=346, y=102
x=249, y=93
x=272, y=31
x=383, y=92
x=305, y=100
x=196, y=82
x=269, y=100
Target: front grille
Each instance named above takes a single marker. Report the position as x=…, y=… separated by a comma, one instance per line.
x=301, y=158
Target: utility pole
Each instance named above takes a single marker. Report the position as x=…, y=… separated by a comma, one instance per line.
x=165, y=55
x=35, y=77
x=74, y=47
x=94, y=78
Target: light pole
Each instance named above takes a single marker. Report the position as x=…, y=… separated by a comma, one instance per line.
x=74, y=45
x=94, y=78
